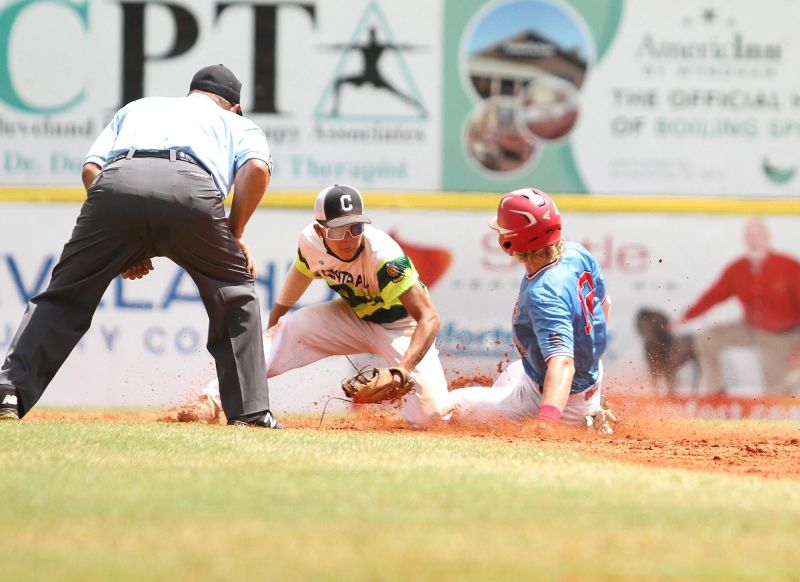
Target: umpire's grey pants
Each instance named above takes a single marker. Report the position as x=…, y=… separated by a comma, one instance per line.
x=136, y=209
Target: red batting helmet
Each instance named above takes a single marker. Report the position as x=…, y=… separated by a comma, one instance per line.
x=527, y=220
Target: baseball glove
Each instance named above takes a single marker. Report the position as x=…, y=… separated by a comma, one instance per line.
x=371, y=385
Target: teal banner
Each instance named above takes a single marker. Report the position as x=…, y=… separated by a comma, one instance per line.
x=513, y=72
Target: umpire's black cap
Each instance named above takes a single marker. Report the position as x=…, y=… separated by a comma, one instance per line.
x=339, y=205
x=219, y=80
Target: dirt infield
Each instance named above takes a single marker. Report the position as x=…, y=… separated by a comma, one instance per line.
x=760, y=448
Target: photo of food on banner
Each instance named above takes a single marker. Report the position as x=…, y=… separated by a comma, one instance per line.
x=524, y=63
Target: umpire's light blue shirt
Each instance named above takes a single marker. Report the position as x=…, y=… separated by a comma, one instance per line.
x=219, y=139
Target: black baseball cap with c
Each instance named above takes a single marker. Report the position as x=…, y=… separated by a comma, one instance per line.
x=219, y=80
x=339, y=205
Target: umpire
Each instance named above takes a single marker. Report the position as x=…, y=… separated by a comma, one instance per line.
x=156, y=179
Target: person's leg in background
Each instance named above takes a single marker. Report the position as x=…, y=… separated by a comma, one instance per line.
x=709, y=345
x=775, y=351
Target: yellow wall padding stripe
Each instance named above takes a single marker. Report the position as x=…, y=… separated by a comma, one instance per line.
x=478, y=201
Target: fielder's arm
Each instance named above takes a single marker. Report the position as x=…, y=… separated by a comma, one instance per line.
x=421, y=308
x=294, y=285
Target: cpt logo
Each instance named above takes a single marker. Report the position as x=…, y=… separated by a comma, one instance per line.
x=372, y=59
x=140, y=21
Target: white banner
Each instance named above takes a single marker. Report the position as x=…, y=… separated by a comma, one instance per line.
x=607, y=96
x=695, y=99
x=346, y=90
x=147, y=341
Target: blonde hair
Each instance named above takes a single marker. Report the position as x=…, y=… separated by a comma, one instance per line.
x=543, y=256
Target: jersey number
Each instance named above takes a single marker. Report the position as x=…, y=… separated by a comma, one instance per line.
x=587, y=299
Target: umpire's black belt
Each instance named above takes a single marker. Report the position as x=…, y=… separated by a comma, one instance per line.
x=171, y=155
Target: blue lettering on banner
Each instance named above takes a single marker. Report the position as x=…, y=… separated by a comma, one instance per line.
x=268, y=282
x=119, y=296
x=38, y=285
x=187, y=340
x=109, y=336
x=494, y=342
x=174, y=295
x=28, y=285
x=154, y=339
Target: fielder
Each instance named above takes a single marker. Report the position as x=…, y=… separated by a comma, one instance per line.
x=383, y=308
x=559, y=325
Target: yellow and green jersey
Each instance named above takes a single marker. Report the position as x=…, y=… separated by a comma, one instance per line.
x=372, y=282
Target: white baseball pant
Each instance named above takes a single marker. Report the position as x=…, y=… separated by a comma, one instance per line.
x=332, y=329
x=515, y=396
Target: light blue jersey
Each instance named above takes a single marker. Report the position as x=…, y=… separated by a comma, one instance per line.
x=221, y=140
x=559, y=313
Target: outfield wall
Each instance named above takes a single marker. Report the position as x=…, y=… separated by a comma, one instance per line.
x=432, y=117
x=602, y=96
x=146, y=344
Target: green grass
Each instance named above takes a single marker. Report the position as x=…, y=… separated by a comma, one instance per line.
x=91, y=500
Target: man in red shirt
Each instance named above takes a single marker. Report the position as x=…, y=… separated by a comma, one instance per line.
x=767, y=285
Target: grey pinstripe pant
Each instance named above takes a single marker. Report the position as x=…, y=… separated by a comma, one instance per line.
x=140, y=208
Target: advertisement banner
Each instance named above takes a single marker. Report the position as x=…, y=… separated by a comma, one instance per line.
x=147, y=340
x=660, y=97
x=601, y=96
x=345, y=90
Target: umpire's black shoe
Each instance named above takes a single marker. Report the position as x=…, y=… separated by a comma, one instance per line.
x=257, y=420
x=8, y=404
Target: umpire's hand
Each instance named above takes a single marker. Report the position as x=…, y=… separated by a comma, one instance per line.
x=251, y=264
x=138, y=270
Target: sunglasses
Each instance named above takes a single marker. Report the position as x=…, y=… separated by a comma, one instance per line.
x=338, y=232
